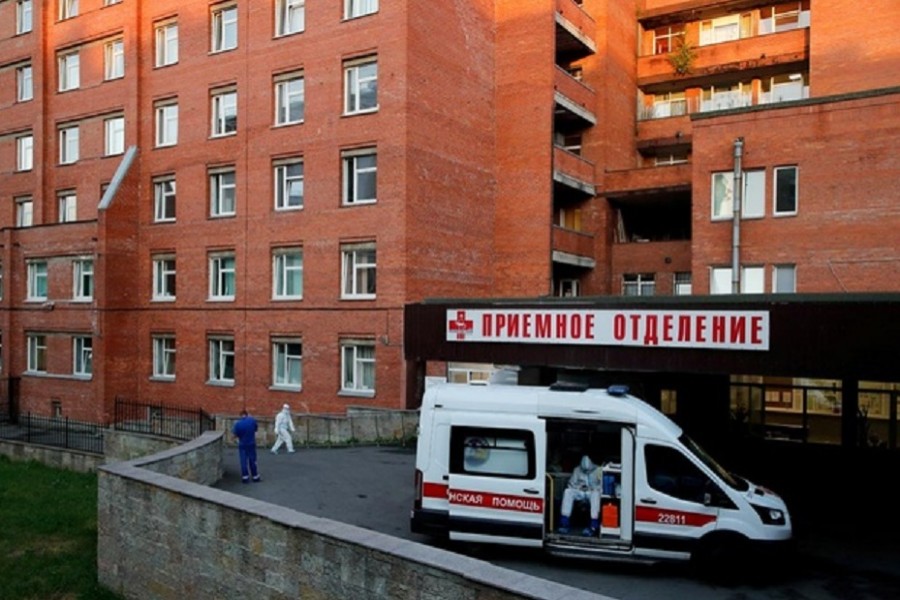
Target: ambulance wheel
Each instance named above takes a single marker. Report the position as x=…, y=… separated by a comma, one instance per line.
x=719, y=556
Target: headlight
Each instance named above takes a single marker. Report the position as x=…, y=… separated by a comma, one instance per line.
x=769, y=516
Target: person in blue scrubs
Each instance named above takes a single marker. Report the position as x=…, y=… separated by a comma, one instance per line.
x=245, y=431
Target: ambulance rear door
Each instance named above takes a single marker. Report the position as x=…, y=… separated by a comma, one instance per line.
x=496, y=479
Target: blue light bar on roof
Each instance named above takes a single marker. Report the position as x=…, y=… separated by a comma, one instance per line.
x=617, y=390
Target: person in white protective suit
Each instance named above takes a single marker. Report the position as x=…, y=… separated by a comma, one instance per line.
x=284, y=427
x=584, y=486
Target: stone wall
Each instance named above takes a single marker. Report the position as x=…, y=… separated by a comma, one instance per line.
x=163, y=535
x=60, y=458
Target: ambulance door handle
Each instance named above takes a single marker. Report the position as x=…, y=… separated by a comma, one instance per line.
x=648, y=500
x=531, y=491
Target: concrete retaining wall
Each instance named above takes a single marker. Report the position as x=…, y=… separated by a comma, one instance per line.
x=162, y=534
x=71, y=460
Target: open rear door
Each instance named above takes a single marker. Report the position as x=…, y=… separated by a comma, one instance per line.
x=496, y=482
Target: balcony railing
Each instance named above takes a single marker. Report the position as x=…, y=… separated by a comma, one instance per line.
x=722, y=101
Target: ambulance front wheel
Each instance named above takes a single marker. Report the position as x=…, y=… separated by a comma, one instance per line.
x=721, y=555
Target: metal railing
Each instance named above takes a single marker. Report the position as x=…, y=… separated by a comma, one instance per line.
x=158, y=419
x=60, y=432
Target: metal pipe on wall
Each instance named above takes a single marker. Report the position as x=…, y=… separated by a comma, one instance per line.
x=736, y=218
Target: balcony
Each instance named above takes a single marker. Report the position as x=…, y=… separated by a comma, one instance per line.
x=650, y=180
x=573, y=171
x=574, y=100
x=573, y=248
x=575, y=32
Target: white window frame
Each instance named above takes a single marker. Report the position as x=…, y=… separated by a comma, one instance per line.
x=290, y=17
x=67, y=206
x=164, y=199
x=114, y=59
x=224, y=27
x=37, y=353
x=82, y=356
x=360, y=86
x=682, y=284
x=568, y=288
x=164, y=357
x=721, y=29
x=289, y=177
x=68, y=144
x=358, y=371
x=164, y=278
x=287, y=363
x=359, y=8
x=37, y=281
x=222, y=275
x=24, y=211
x=644, y=284
x=24, y=16
x=222, y=193
x=166, y=124
x=358, y=269
x=775, y=191
x=356, y=176
x=287, y=93
x=287, y=274
x=83, y=279
x=67, y=9
x=24, y=83
x=114, y=136
x=224, y=113
x=69, y=71
x=166, y=39
x=221, y=357
x=778, y=283
x=752, y=280
x=25, y=152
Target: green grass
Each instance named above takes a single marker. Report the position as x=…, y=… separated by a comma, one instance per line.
x=48, y=534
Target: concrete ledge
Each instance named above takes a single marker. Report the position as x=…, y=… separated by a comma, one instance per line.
x=60, y=458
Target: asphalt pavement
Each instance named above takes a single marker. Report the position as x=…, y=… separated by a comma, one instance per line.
x=372, y=487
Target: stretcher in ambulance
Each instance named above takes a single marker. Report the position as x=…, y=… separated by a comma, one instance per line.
x=493, y=462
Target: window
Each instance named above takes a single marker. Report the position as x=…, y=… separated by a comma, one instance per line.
x=287, y=273
x=289, y=185
x=358, y=271
x=224, y=28
x=68, y=207
x=360, y=86
x=672, y=473
x=24, y=83
x=24, y=211
x=638, y=284
x=221, y=276
x=167, y=124
x=567, y=288
x=752, y=280
x=784, y=279
x=360, y=176
x=786, y=190
x=289, y=99
x=783, y=17
x=25, y=152
x=682, y=284
x=83, y=356
x=669, y=104
x=24, y=16
x=358, y=366
x=492, y=452
x=114, y=60
x=68, y=9
x=784, y=88
x=163, y=357
x=114, y=130
x=725, y=97
x=753, y=202
x=666, y=39
x=289, y=16
x=68, y=145
x=83, y=279
x=69, y=71
x=37, y=280
x=359, y=8
x=724, y=29
x=672, y=158
x=37, y=353
x=221, y=360
x=222, y=201
x=166, y=43
x=164, y=277
x=287, y=363
x=164, y=199
x=224, y=113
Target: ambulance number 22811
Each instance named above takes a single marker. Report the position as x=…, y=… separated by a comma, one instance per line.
x=671, y=519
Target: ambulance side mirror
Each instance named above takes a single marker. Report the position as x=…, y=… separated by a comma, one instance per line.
x=707, y=498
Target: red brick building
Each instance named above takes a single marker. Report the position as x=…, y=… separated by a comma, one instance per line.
x=221, y=181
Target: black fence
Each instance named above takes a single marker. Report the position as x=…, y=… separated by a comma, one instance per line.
x=61, y=432
x=158, y=419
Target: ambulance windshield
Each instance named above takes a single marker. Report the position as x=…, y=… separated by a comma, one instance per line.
x=730, y=480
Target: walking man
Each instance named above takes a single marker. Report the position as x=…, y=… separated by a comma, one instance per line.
x=284, y=427
x=245, y=431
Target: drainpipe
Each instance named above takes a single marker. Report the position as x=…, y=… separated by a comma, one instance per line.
x=736, y=218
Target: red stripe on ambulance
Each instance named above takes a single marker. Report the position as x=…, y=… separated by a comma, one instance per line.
x=434, y=490
x=498, y=501
x=663, y=516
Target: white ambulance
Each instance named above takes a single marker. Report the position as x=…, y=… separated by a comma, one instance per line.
x=493, y=462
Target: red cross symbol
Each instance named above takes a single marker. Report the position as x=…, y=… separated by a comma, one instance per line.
x=461, y=326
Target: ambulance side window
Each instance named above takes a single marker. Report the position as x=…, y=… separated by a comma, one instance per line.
x=492, y=452
x=670, y=472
